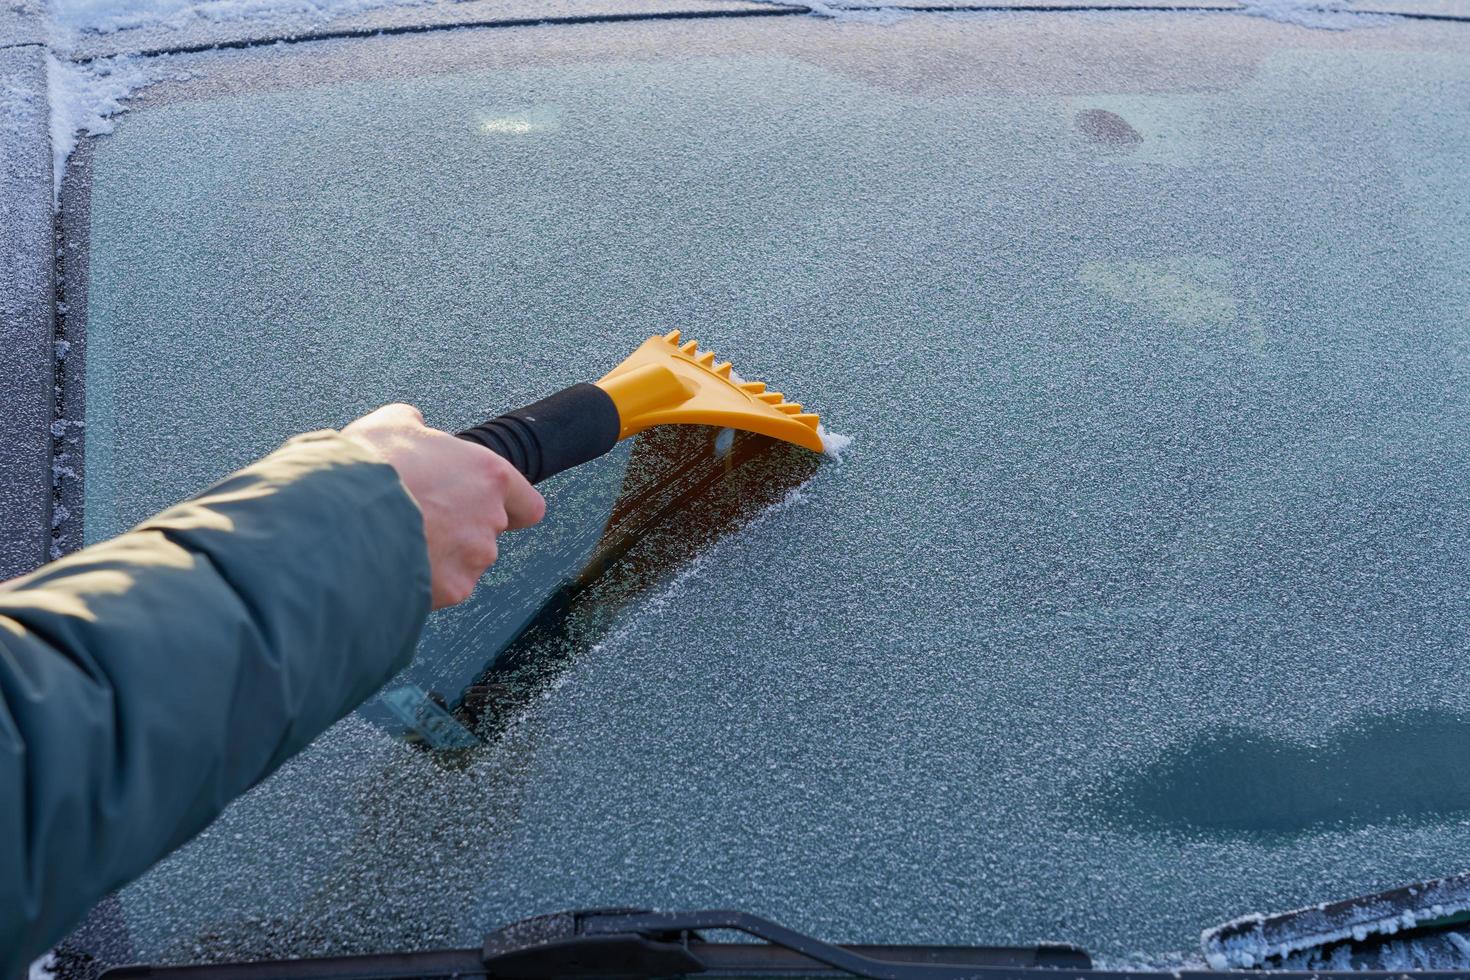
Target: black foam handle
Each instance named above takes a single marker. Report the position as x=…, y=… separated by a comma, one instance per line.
x=569, y=428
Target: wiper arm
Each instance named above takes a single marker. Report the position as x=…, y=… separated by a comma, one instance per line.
x=679, y=931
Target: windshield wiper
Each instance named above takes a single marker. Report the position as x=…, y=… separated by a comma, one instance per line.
x=1423, y=926
x=632, y=943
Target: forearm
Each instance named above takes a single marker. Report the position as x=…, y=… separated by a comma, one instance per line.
x=147, y=681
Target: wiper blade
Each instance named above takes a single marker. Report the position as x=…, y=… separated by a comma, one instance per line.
x=1424, y=926
x=632, y=943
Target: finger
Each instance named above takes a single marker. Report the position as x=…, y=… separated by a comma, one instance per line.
x=524, y=505
x=476, y=555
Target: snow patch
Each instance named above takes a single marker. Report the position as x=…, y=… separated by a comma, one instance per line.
x=881, y=16
x=1329, y=15
x=1309, y=938
x=85, y=98
x=76, y=17
x=833, y=444
x=858, y=13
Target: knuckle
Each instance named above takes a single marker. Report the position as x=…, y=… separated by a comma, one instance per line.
x=450, y=592
x=497, y=471
x=462, y=588
x=405, y=409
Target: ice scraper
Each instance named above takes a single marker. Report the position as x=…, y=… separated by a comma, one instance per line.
x=665, y=381
x=1424, y=926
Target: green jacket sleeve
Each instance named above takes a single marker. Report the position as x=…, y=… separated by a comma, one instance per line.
x=147, y=681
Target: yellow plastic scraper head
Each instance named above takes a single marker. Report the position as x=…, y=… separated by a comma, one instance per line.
x=665, y=381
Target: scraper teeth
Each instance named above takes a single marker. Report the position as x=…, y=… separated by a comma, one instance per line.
x=666, y=380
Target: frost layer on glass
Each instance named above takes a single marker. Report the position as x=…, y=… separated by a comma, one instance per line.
x=1138, y=601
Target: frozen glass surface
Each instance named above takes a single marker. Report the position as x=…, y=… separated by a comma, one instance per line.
x=1138, y=602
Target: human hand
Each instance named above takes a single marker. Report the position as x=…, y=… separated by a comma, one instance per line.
x=467, y=493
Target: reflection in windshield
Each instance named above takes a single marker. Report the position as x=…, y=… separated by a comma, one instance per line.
x=1406, y=768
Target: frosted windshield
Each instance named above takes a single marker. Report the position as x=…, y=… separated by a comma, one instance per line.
x=1139, y=590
